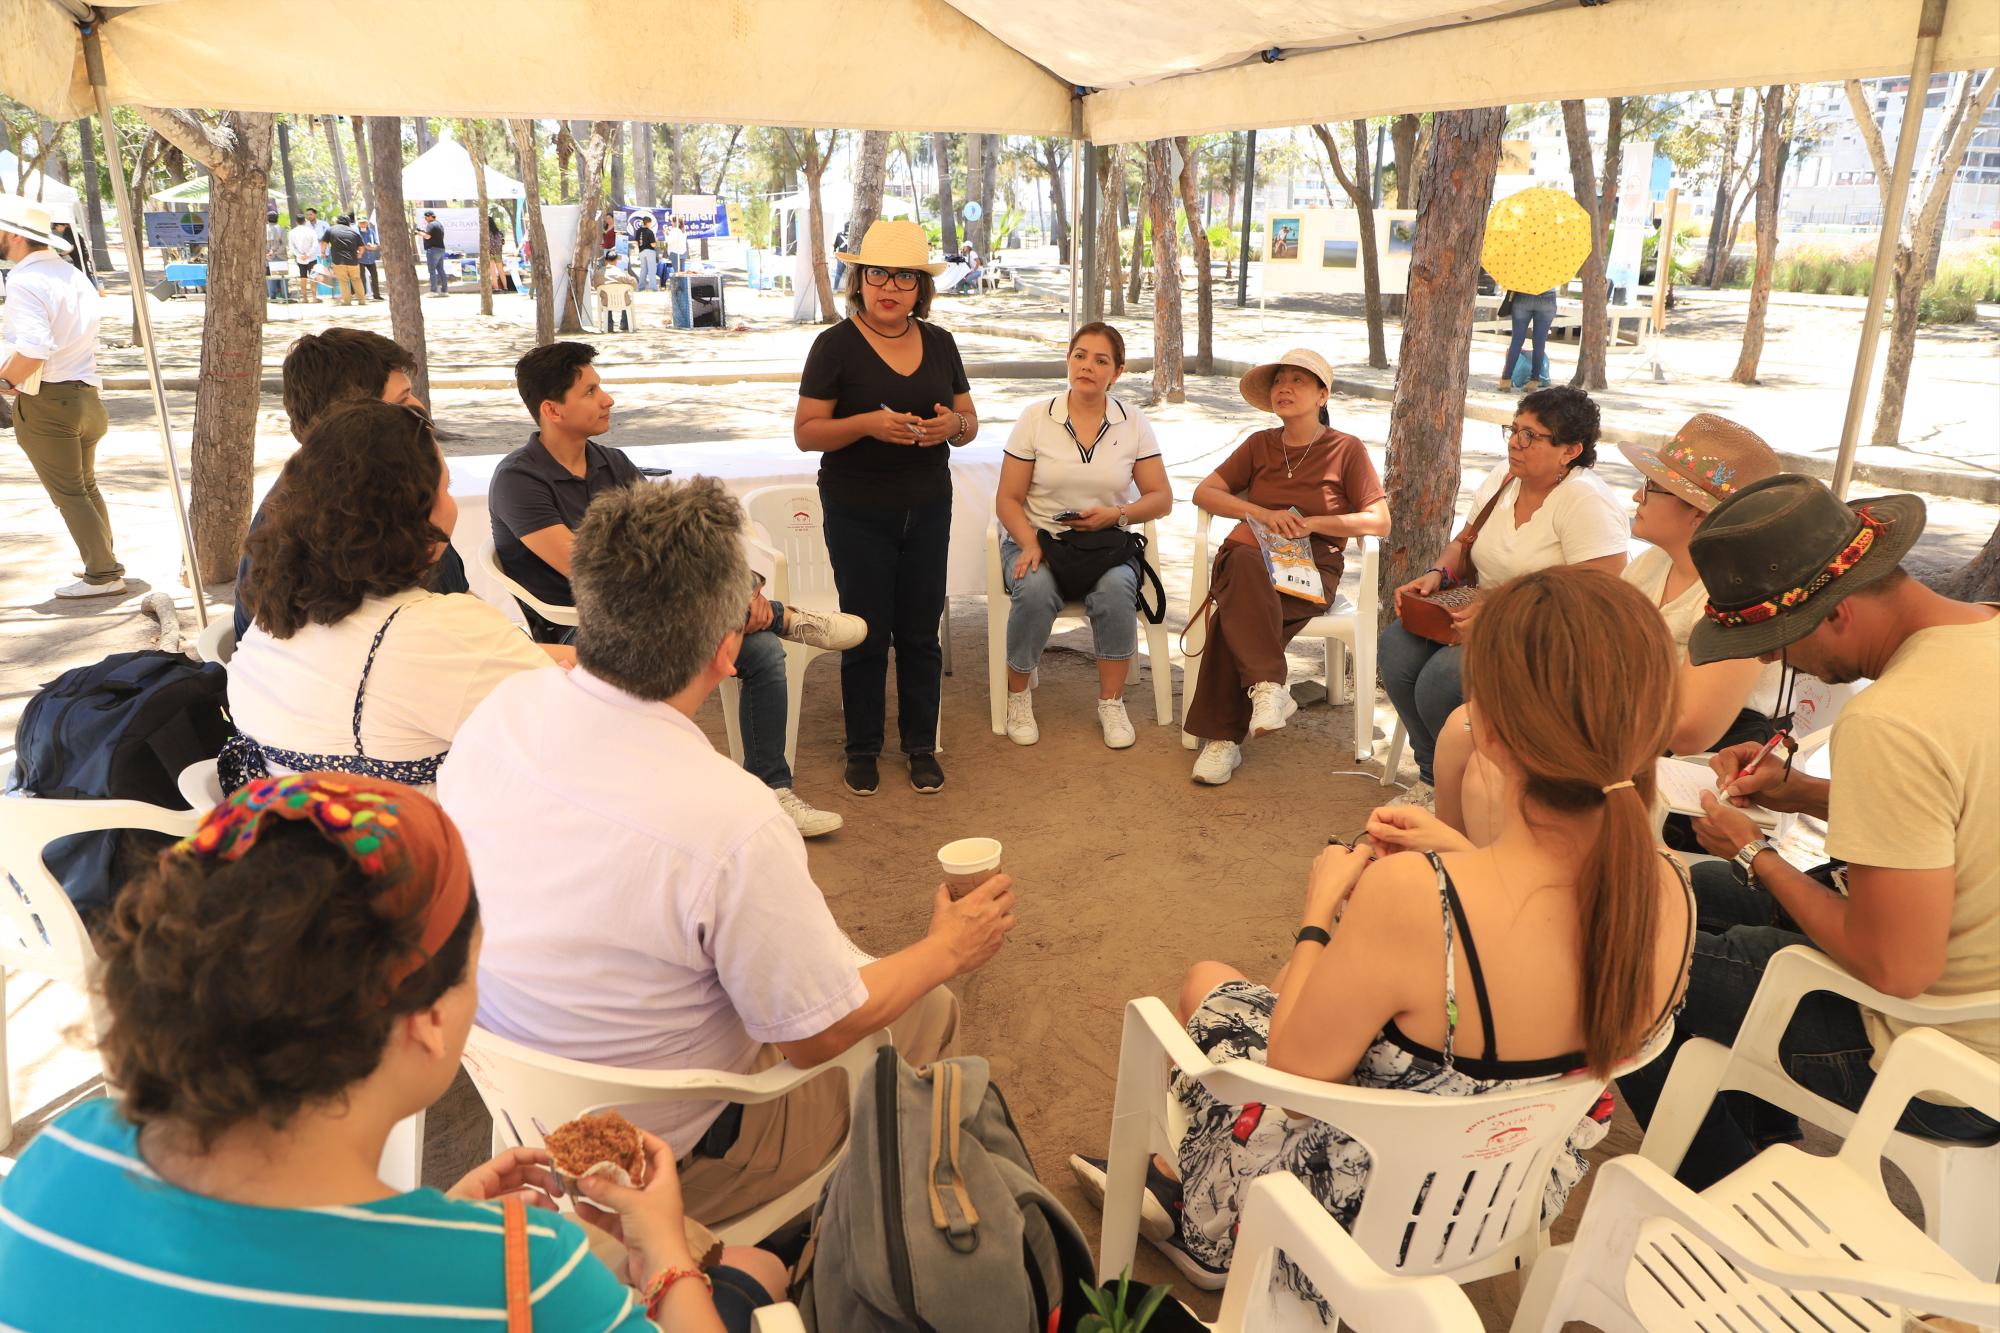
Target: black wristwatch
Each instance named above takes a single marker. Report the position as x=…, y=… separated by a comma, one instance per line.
x=1312, y=934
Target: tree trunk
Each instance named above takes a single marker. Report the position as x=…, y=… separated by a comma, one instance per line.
x=642, y=164
x=1590, y=345
x=358, y=124
x=474, y=134
x=870, y=167
x=673, y=159
x=1978, y=579
x=1608, y=178
x=975, y=166
x=1136, y=287
x=1110, y=185
x=1359, y=189
x=598, y=145
x=398, y=267
x=1169, y=378
x=989, y=177
x=340, y=181
x=617, y=199
x=1721, y=236
x=1204, y=286
x=1770, y=179
x=93, y=197
x=422, y=125
x=297, y=214
x=528, y=165
x=1059, y=224
x=1427, y=421
x=947, y=211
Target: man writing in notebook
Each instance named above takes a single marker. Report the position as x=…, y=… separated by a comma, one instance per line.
x=1912, y=808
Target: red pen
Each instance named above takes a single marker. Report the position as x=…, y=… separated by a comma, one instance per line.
x=1756, y=759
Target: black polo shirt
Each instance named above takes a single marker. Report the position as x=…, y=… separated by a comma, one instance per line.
x=531, y=491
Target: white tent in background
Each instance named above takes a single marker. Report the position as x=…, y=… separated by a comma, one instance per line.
x=196, y=192
x=61, y=200
x=445, y=172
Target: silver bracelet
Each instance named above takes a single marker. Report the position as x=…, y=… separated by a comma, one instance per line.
x=962, y=427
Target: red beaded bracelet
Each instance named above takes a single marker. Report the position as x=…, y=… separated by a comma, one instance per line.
x=657, y=1289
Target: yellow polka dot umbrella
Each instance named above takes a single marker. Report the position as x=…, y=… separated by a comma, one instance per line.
x=1535, y=240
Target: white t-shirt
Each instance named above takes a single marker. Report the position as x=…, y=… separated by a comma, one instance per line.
x=1071, y=473
x=677, y=241
x=1648, y=573
x=646, y=901
x=445, y=653
x=1581, y=520
x=304, y=242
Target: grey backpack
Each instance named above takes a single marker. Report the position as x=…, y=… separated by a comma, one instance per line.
x=935, y=1221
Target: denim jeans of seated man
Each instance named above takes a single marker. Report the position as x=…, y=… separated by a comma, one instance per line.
x=1036, y=602
x=1825, y=1049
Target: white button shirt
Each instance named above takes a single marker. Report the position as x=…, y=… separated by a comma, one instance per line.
x=51, y=313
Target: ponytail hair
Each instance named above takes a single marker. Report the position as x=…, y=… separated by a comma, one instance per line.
x=1574, y=672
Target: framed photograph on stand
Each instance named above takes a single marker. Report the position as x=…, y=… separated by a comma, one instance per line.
x=1284, y=246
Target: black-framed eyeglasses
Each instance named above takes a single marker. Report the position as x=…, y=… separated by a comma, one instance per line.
x=1509, y=430
x=905, y=279
x=1653, y=489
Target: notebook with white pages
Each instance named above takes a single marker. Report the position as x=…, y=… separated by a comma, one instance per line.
x=1682, y=781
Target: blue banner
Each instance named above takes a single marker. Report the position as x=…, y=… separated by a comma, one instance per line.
x=177, y=230
x=700, y=225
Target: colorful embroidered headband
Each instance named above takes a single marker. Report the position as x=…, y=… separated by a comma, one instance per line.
x=396, y=835
x=1851, y=556
x=1719, y=475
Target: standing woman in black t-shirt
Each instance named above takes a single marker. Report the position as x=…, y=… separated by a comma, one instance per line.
x=882, y=393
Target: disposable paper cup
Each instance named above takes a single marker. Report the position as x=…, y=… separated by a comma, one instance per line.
x=968, y=863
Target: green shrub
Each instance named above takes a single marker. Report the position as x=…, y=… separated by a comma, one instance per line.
x=1945, y=303
x=1973, y=270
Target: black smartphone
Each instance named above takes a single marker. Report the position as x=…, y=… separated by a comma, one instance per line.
x=1068, y=516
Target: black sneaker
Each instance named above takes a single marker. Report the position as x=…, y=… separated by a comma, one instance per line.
x=925, y=775
x=861, y=777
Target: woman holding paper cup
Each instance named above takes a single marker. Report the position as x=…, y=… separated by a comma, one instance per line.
x=1299, y=478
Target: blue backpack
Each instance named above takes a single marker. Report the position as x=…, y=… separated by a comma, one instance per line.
x=119, y=729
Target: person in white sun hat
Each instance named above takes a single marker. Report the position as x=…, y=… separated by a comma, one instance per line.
x=881, y=392
x=48, y=371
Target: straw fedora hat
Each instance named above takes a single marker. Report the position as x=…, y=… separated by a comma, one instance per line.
x=1256, y=383
x=894, y=245
x=1780, y=554
x=1709, y=459
x=26, y=218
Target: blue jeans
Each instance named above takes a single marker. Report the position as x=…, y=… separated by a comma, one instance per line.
x=1825, y=1049
x=647, y=270
x=1536, y=313
x=889, y=566
x=1421, y=679
x=764, y=704
x=435, y=258
x=1036, y=602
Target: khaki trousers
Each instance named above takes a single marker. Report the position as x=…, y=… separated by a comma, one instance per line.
x=58, y=429
x=347, y=284
x=783, y=1142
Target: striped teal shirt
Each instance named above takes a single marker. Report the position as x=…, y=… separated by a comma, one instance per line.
x=91, y=1238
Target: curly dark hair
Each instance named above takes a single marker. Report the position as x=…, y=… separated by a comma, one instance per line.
x=1570, y=416
x=252, y=989
x=349, y=518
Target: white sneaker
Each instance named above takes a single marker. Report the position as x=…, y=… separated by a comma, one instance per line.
x=1117, y=727
x=811, y=823
x=831, y=630
x=1271, y=704
x=1021, y=728
x=1217, y=762
x=83, y=588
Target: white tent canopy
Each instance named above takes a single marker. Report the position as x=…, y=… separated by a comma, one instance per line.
x=195, y=191
x=36, y=186
x=445, y=172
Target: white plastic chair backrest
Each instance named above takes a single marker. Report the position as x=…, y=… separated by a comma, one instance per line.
x=1279, y=1213
x=1366, y=593
x=217, y=643
x=795, y=525
x=489, y=560
x=616, y=296
x=1923, y=1062
x=200, y=786
x=39, y=928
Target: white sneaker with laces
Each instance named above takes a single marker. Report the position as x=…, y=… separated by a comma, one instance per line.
x=85, y=588
x=810, y=822
x=1271, y=704
x=1217, y=762
x=831, y=630
x=1117, y=726
x=1021, y=728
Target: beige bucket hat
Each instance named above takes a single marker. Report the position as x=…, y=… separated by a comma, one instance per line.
x=1709, y=459
x=1256, y=384
x=894, y=245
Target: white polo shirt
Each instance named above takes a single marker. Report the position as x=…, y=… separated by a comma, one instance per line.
x=646, y=902
x=51, y=313
x=1074, y=473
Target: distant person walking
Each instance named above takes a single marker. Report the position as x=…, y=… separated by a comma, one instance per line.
x=371, y=255
x=48, y=370
x=645, y=252
x=1533, y=313
x=303, y=241
x=342, y=247
x=433, y=233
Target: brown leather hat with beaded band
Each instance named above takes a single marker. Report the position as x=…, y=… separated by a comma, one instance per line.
x=1781, y=553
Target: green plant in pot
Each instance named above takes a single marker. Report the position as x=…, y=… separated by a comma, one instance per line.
x=1111, y=1312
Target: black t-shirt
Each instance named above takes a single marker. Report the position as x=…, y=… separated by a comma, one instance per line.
x=531, y=491
x=434, y=236
x=871, y=473
x=645, y=239
x=343, y=244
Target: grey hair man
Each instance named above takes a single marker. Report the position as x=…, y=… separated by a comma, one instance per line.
x=629, y=876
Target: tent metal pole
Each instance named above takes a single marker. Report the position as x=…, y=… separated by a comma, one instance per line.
x=1929, y=25
x=134, y=227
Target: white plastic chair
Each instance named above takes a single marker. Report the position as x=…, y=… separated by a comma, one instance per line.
x=1957, y=1182
x=771, y=1319
x=1488, y=1157
x=1789, y=1241
x=40, y=931
x=217, y=642
x=489, y=560
x=1158, y=641
x=1348, y=626
x=201, y=787
x=519, y=1084
x=1279, y=1213
x=617, y=299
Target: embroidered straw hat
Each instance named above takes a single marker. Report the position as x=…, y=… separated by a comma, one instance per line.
x=1781, y=553
x=1256, y=384
x=1708, y=460
x=26, y=218
x=894, y=245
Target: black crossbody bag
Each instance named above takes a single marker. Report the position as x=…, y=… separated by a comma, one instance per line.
x=1079, y=560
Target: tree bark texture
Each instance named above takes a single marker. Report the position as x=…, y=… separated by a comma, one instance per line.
x=93, y=197
x=1769, y=180
x=989, y=181
x=617, y=192
x=297, y=214
x=1169, y=376
x=812, y=165
x=1052, y=161
x=947, y=211
x=236, y=149
x=1360, y=192
x=1427, y=420
x=1614, y=166
x=642, y=164
x=422, y=126
x=1204, y=283
x=527, y=164
x=673, y=159
x=591, y=155
x=1409, y=140
x=1978, y=579
x=359, y=125
x=1721, y=234
x=341, y=185
x=398, y=271
x=1110, y=198
x=1137, y=286
x=871, y=166
x=474, y=134
x=1590, y=343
